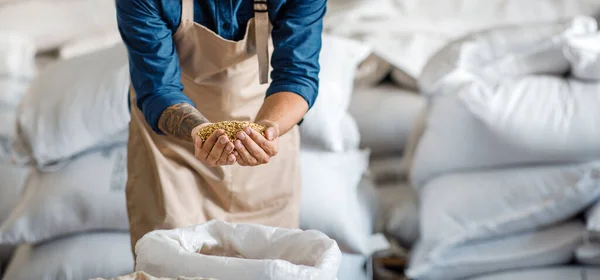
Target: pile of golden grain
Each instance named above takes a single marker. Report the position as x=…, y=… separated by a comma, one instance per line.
x=231, y=128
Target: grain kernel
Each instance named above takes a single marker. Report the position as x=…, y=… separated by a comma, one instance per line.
x=230, y=127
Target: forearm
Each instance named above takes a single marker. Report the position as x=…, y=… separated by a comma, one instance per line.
x=284, y=108
x=179, y=120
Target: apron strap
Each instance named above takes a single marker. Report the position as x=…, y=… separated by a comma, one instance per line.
x=187, y=11
x=261, y=22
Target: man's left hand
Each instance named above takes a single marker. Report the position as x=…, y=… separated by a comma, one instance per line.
x=255, y=149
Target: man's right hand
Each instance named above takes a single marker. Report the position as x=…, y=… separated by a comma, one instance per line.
x=217, y=150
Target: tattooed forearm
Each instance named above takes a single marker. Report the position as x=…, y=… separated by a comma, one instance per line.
x=179, y=120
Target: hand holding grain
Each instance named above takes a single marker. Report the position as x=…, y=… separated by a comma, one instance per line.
x=215, y=148
x=257, y=147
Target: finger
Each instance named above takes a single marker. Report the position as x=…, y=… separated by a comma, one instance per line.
x=209, y=143
x=271, y=133
x=231, y=159
x=197, y=147
x=267, y=146
x=224, y=159
x=255, y=150
x=244, y=153
x=218, y=149
x=241, y=161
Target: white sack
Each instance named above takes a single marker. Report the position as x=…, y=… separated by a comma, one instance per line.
x=89, y=43
x=322, y=127
x=547, y=116
x=227, y=251
x=17, y=69
x=593, y=218
x=543, y=247
x=51, y=23
x=494, y=12
x=455, y=141
x=336, y=197
x=491, y=56
x=75, y=105
x=407, y=32
x=87, y=194
x=408, y=53
x=584, y=54
x=385, y=115
x=73, y=258
x=11, y=183
x=547, y=273
x=17, y=54
x=588, y=253
x=461, y=208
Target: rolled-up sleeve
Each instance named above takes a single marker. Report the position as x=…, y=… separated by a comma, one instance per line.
x=153, y=61
x=297, y=44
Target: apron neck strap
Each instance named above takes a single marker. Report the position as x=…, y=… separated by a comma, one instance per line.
x=187, y=11
x=261, y=22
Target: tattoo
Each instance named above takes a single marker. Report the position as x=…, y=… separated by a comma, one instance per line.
x=179, y=120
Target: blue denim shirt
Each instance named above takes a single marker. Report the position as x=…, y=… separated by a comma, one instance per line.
x=147, y=26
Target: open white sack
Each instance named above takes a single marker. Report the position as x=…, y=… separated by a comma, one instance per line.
x=385, y=115
x=541, y=247
x=140, y=275
x=75, y=105
x=469, y=207
x=228, y=251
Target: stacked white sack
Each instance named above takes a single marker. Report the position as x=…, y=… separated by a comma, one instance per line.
x=495, y=213
x=66, y=119
x=102, y=254
x=494, y=108
x=17, y=68
x=484, y=90
x=333, y=166
x=52, y=23
x=406, y=33
x=227, y=251
x=87, y=194
x=73, y=106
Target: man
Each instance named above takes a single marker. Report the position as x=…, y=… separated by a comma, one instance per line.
x=194, y=62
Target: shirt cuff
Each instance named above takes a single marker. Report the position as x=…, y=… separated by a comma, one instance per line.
x=306, y=92
x=153, y=107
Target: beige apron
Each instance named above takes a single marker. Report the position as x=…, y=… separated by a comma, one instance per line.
x=167, y=186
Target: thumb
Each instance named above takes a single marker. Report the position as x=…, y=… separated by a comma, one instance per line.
x=271, y=133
